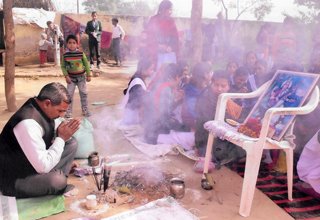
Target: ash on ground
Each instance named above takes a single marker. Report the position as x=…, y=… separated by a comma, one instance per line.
x=143, y=183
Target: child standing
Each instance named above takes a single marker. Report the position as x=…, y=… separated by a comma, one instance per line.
x=43, y=49
x=74, y=66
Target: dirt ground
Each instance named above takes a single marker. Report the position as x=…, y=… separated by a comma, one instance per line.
x=222, y=203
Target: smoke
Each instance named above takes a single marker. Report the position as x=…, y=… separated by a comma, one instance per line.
x=280, y=45
x=106, y=134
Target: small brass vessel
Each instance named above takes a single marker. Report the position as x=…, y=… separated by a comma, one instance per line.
x=177, y=188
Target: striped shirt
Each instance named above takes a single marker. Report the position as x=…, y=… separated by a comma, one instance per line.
x=75, y=63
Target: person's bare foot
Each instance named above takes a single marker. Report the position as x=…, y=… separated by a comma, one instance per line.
x=96, y=74
x=74, y=165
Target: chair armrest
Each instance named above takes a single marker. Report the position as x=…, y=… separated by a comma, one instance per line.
x=224, y=97
x=305, y=109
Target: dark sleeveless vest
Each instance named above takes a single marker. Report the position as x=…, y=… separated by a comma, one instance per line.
x=13, y=163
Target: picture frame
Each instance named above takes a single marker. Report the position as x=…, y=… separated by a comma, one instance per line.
x=287, y=89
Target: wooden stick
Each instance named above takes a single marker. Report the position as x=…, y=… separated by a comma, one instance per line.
x=95, y=178
x=106, y=178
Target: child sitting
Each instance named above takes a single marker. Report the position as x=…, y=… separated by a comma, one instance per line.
x=231, y=68
x=136, y=93
x=261, y=72
x=205, y=110
x=159, y=111
x=250, y=60
x=200, y=79
x=241, y=85
x=43, y=49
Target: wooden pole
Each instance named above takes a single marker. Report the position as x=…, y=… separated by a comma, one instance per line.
x=57, y=49
x=9, y=69
x=77, y=6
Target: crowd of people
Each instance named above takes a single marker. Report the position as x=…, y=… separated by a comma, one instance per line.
x=167, y=96
x=172, y=102
x=53, y=38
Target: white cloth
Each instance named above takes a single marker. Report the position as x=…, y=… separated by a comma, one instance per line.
x=8, y=208
x=183, y=139
x=165, y=208
x=135, y=81
x=134, y=134
x=130, y=116
x=252, y=82
x=117, y=31
x=52, y=32
x=44, y=44
x=94, y=23
x=226, y=132
x=166, y=58
x=308, y=166
x=29, y=135
x=32, y=16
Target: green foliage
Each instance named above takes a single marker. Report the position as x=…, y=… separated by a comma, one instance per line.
x=262, y=10
x=309, y=10
x=119, y=7
x=259, y=8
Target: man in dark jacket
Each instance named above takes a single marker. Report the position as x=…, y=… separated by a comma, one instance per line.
x=94, y=30
x=35, y=156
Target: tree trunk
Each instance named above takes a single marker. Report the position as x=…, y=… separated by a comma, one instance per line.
x=9, y=56
x=196, y=31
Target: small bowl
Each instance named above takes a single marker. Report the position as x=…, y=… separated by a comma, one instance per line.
x=91, y=201
x=177, y=188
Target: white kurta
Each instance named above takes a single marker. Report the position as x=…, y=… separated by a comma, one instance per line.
x=131, y=116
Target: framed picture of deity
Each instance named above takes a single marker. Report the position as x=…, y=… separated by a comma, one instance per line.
x=287, y=89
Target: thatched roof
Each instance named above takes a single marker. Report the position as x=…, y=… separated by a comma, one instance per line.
x=45, y=4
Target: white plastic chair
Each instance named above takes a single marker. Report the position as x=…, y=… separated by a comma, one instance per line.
x=254, y=146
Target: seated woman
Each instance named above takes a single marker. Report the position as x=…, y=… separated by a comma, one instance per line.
x=164, y=98
x=135, y=93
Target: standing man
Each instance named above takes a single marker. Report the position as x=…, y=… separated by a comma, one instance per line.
x=36, y=153
x=94, y=30
x=52, y=30
x=117, y=35
x=55, y=35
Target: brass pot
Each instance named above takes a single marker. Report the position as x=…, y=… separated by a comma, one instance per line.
x=177, y=188
x=93, y=159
